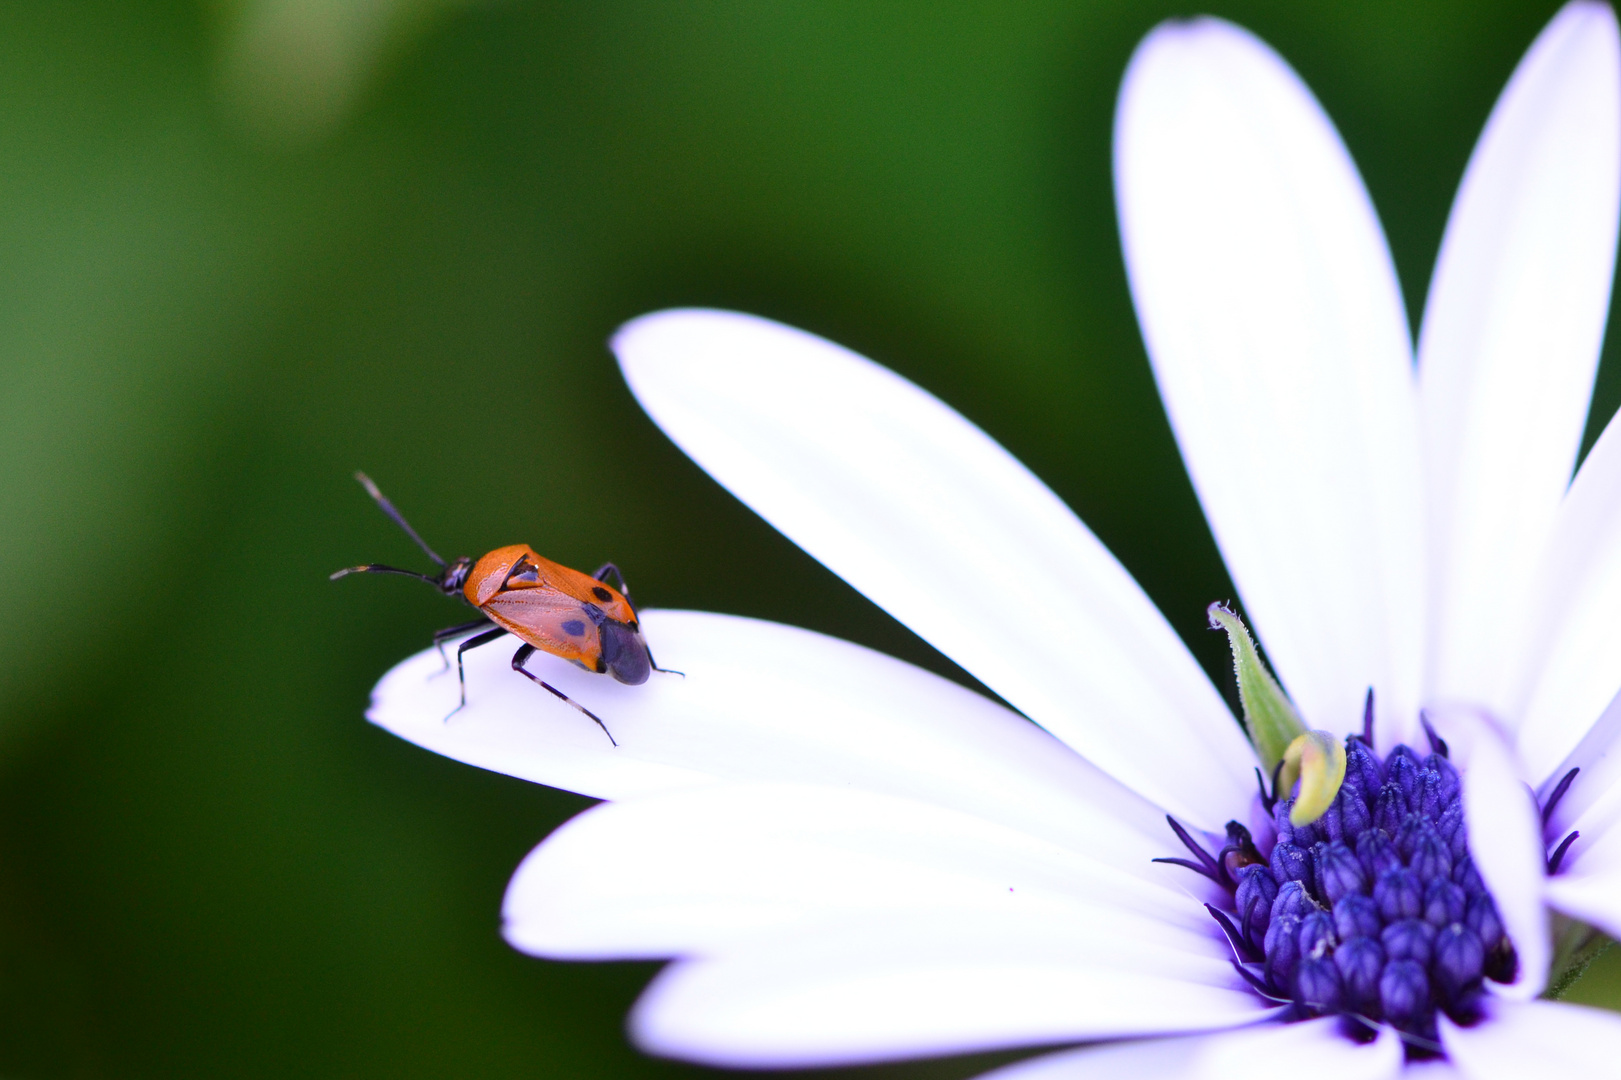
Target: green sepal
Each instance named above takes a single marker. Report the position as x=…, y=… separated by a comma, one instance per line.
x=1270, y=719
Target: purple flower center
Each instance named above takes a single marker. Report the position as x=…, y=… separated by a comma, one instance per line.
x=1374, y=912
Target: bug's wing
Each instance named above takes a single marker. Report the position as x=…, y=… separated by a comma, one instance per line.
x=584, y=588
x=551, y=621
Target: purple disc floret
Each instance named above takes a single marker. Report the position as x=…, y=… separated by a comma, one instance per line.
x=1374, y=912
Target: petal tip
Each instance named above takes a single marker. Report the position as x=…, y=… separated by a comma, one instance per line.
x=1194, y=32
x=1587, y=12
x=1198, y=39
x=641, y=335
x=1589, y=27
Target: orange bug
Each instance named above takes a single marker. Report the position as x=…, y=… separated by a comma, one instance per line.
x=546, y=605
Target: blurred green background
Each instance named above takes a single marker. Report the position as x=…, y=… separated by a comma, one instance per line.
x=246, y=248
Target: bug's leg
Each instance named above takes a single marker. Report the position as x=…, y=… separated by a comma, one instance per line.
x=609, y=568
x=654, y=664
x=442, y=636
x=461, y=672
x=520, y=657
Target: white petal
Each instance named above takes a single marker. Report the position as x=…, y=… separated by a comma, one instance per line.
x=1572, y=641
x=1536, y=1038
x=763, y=701
x=1433, y=1069
x=1314, y=1047
x=1275, y=324
x=722, y=868
x=1589, y=894
x=1510, y=343
x=1592, y=802
x=912, y=987
x=1505, y=841
x=1140, y=1059
x=1588, y=884
x=935, y=522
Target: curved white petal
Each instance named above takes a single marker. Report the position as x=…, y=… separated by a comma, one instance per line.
x=935, y=522
x=1510, y=343
x=723, y=868
x=763, y=701
x=1536, y=1038
x=1588, y=884
x=1313, y=1046
x=1272, y=315
x=1572, y=640
x=1433, y=1069
x=1505, y=841
x=1590, y=894
x=1592, y=801
x=920, y=985
x=1141, y=1059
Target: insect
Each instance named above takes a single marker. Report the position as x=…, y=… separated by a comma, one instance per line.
x=546, y=605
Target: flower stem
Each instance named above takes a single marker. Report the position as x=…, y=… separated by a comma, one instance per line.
x=1576, y=946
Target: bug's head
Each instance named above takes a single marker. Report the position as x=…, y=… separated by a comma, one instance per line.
x=624, y=653
x=455, y=576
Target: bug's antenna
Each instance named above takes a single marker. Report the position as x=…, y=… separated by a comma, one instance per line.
x=377, y=568
x=399, y=519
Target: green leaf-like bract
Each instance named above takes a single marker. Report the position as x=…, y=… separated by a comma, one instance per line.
x=1269, y=717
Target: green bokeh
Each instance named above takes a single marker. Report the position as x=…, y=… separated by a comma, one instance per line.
x=209, y=864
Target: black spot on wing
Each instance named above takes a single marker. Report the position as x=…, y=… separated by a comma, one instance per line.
x=574, y=628
x=601, y=594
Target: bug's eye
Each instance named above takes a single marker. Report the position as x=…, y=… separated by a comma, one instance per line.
x=524, y=572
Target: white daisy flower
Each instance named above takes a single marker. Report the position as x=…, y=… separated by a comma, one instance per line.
x=851, y=859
